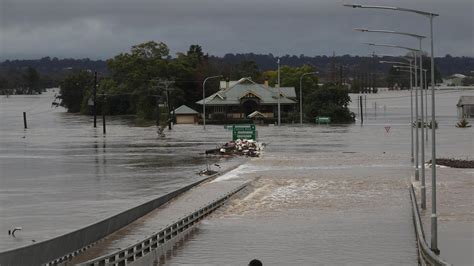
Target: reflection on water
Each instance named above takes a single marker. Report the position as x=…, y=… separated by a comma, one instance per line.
x=62, y=174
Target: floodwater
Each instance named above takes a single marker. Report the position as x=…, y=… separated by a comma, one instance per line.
x=327, y=195
x=62, y=174
x=320, y=195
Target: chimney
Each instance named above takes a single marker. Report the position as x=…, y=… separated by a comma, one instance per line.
x=227, y=83
x=266, y=83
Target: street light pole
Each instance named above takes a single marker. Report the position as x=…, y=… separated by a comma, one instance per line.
x=426, y=101
x=204, y=99
x=301, y=93
x=279, y=93
x=434, y=216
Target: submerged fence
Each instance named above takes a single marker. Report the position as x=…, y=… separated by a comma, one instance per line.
x=425, y=255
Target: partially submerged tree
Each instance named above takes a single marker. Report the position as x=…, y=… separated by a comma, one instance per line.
x=330, y=100
x=73, y=89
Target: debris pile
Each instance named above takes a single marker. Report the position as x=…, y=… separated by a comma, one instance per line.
x=240, y=147
x=454, y=163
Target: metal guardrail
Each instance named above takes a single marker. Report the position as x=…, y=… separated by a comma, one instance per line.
x=425, y=255
x=136, y=251
x=63, y=248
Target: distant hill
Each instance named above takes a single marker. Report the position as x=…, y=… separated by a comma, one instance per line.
x=447, y=65
x=55, y=67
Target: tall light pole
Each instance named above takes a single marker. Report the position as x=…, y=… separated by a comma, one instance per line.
x=279, y=93
x=204, y=99
x=301, y=93
x=426, y=100
x=434, y=215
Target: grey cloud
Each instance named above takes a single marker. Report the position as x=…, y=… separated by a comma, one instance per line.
x=103, y=28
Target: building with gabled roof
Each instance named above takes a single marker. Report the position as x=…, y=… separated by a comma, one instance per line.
x=185, y=115
x=466, y=107
x=238, y=99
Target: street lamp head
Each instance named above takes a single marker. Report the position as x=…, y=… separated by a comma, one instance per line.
x=392, y=32
x=393, y=8
x=352, y=5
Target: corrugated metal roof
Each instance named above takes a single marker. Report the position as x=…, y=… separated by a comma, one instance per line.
x=466, y=100
x=267, y=95
x=184, y=110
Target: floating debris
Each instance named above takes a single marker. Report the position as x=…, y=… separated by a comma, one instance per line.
x=239, y=147
x=454, y=163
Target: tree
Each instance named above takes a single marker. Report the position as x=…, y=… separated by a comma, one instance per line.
x=290, y=77
x=246, y=69
x=330, y=100
x=400, y=79
x=73, y=89
x=135, y=75
x=32, y=81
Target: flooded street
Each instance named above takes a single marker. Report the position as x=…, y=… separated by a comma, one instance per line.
x=62, y=174
x=320, y=194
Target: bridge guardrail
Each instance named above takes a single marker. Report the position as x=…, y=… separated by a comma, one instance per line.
x=136, y=251
x=64, y=247
x=425, y=255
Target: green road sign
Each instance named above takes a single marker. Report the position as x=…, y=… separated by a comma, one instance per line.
x=243, y=132
x=323, y=120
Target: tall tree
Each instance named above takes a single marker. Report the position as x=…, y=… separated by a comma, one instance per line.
x=330, y=100
x=32, y=81
x=73, y=90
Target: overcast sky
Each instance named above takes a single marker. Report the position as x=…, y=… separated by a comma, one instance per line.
x=100, y=29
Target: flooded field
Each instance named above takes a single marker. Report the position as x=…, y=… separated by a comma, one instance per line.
x=62, y=174
x=321, y=194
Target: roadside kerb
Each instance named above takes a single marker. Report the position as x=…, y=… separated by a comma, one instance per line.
x=425, y=255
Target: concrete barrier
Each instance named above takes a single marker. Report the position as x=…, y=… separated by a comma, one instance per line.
x=63, y=247
x=425, y=255
x=149, y=250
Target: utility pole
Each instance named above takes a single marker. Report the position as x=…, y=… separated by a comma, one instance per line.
x=103, y=113
x=165, y=84
x=279, y=94
x=95, y=100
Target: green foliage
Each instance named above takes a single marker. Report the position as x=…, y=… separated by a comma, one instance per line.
x=247, y=69
x=463, y=123
x=290, y=77
x=73, y=89
x=398, y=79
x=21, y=82
x=32, y=81
x=331, y=101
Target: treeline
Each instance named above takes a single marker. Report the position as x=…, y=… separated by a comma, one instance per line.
x=139, y=81
x=33, y=76
x=27, y=81
x=54, y=68
x=447, y=65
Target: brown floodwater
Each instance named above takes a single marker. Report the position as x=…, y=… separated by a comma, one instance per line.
x=319, y=194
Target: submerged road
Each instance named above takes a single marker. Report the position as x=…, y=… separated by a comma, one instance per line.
x=311, y=210
x=310, y=202
x=158, y=219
